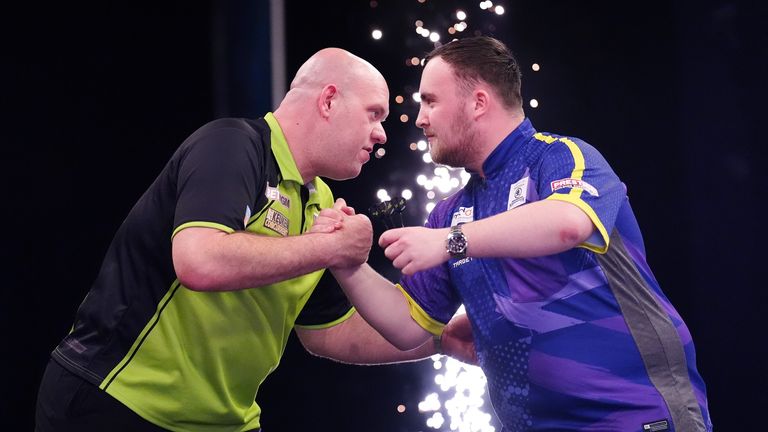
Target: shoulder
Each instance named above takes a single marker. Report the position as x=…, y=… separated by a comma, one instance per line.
x=228, y=135
x=574, y=147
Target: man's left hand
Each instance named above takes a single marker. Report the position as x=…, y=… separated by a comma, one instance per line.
x=457, y=340
x=415, y=248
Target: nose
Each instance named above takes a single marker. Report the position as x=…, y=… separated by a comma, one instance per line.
x=421, y=119
x=378, y=135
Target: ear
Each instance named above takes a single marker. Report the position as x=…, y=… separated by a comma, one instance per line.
x=482, y=101
x=327, y=99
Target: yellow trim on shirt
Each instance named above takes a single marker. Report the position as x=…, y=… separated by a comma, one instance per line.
x=337, y=321
x=574, y=196
x=420, y=316
x=592, y=215
x=202, y=224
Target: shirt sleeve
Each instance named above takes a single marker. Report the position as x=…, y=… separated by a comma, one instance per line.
x=326, y=307
x=575, y=172
x=218, y=181
x=431, y=297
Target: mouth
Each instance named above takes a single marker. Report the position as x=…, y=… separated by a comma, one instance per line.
x=365, y=155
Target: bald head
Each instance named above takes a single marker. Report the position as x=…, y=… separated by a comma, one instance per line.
x=333, y=65
x=332, y=115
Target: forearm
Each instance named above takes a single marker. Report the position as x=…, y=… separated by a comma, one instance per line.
x=356, y=342
x=222, y=262
x=382, y=305
x=537, y=229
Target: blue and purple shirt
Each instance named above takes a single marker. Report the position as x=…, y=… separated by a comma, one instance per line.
x=584, y=340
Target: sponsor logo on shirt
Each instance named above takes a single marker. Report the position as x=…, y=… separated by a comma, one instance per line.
x=272, y=193
x=657, y=426
x=276, y=221
x=518, y=193
x=461, y=262
x=574, y=184
x=463, y=215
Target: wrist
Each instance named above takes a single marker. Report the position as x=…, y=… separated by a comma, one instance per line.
x=456, y=242
x=437, y=343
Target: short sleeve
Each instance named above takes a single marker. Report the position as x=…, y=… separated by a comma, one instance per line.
x=431, y=297
x=219, y=177
x=575, y=172
x=326, y=307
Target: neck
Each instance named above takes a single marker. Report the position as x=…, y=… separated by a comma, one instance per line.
x=296, y=133
x=495, y=130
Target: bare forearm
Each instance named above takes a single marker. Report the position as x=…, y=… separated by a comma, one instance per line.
x=243, y=260
x=382, y=305
x=537, y=229
x=356, y=342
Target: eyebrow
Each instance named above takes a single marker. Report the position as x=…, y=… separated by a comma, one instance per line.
x=427, y=95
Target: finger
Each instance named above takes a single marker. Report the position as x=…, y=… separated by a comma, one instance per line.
x=409, y=269
x=330, y=214
x=401, y=262
x=389, y=237
x=339, y=204
x=393, y=251
x=323, y=229
x=349, y=211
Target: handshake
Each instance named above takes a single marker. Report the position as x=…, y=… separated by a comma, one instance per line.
x=410, y=249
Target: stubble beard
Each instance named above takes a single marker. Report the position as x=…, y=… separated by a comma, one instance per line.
x=458, y=148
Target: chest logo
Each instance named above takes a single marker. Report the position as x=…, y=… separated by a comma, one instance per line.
x=276, y=221
x=518, y=193
x=463, y=215
x=272, y=193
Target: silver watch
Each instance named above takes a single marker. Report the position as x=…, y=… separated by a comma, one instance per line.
x=456, y=243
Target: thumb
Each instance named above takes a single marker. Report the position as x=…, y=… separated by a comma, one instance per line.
x=339, y=204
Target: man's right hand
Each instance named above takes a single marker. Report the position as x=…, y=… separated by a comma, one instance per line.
x=354, y=236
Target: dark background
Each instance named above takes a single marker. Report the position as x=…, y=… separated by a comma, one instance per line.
x=95, y=100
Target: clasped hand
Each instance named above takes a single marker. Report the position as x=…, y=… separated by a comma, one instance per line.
x=410, y=249
x=354, y=233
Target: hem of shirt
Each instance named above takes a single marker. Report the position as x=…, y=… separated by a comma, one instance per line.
x=202, y=224
x=421, y=317
x=163, y=424
x=335, y=322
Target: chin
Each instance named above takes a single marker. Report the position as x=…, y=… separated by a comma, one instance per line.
x=346, y=175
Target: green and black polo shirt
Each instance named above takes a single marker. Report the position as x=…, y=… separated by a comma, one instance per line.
x=188, y=360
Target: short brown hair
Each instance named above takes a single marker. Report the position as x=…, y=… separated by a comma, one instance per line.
x=483, y=58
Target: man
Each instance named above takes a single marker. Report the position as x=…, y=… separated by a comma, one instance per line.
x=542, y=248
x=218, y=261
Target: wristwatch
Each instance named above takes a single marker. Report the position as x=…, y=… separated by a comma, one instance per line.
x=456, y=243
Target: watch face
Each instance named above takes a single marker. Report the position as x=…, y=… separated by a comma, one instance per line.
x=457, y=243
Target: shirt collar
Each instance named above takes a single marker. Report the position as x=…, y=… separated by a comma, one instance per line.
x=507, y=147
x=282, y=153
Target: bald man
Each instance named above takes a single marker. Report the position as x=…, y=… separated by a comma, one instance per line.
x=219, y=260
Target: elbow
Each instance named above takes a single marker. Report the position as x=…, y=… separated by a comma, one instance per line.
x=196, y=276
x=575, y=231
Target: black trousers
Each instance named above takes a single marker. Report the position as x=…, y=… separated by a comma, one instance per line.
x=68, y=403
